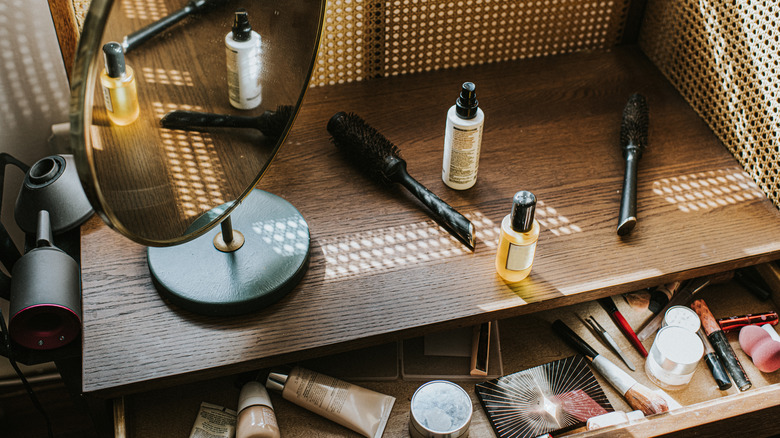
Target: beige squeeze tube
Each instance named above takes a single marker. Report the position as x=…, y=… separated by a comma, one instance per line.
x=360, y=409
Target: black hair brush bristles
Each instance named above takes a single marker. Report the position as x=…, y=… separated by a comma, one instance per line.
x=633, y=141
x=371, y=152
x=270, y=123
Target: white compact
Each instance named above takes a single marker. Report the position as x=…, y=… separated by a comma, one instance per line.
x=673, y=358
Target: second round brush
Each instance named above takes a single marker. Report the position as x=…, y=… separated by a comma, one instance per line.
x=380, y=158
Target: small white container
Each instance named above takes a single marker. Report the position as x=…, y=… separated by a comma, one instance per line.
x=682, y=316
x=440, y=409
x=674, y=357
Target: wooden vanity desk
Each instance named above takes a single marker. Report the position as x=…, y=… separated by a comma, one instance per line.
x=381, y=270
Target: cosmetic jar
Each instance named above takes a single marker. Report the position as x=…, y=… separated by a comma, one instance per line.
x=682, y=316
x=673, y=358
x=440, y=409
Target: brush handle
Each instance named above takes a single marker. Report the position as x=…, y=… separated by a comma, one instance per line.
x=627, y=214
x=573, y=340
x=637, y=395
x=455, y=222
x=142, y=35
x=180, y=119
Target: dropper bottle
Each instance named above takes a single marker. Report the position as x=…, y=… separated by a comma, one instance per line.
x=463, y=140
x=242, y=47
x=517, y=242
x=119, y=90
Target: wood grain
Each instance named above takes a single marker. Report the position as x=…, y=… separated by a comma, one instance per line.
x=64, y=17
x=552, y=127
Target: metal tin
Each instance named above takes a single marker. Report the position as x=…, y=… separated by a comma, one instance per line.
x=674, y=357
x=440, y=409
x=682, y=316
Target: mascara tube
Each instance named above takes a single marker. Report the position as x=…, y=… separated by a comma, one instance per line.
x=721, y=345
x=713, y=363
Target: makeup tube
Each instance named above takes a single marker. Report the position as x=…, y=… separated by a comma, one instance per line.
x=721, y=345
x=360, y=409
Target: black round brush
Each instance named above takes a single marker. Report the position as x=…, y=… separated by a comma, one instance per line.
x=380, y=159
x=270, y=123
x=633, y=140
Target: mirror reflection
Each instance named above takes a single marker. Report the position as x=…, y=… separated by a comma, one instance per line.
x=186, y=103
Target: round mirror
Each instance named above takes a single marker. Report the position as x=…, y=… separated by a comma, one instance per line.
x=180, y=106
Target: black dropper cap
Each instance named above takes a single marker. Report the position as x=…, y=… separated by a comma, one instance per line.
x=115, y=59
x=242, y=30
x=523, y=209
x=467, y=103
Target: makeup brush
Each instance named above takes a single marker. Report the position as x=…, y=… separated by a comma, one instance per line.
x=270, y=123
x=637, y=395
x=142, y=35
x=633, y=140
x=380, y=159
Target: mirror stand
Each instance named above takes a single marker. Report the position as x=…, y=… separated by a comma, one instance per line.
x=265, y=258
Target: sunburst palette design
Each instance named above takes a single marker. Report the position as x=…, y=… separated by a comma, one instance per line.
x=552, y=397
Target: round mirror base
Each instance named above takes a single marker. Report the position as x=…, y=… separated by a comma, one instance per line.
x=198, y=277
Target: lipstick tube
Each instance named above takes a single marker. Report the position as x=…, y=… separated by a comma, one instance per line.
x=737, y=322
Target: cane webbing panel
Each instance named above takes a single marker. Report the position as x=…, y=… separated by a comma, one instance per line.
x=368, y=38
x=723, y=57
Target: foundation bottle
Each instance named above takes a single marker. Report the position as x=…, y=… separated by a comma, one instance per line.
x=242, y=47
x=119, y=90
x=256, y=418
x=517, y=243
x=463, y=140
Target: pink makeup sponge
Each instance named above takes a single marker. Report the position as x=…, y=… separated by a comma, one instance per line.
x=760, y=346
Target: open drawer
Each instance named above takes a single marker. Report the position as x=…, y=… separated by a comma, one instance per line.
x=526, y=341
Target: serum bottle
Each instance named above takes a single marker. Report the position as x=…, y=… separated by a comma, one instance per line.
x=517, y=243
x=119, y=90
x=242, y=47
x=463, y=140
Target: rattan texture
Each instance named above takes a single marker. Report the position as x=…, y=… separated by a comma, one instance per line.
x=723, y=58
x=363, y=38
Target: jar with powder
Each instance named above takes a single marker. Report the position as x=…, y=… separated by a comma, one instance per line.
x=440, y=409
x=673, y=358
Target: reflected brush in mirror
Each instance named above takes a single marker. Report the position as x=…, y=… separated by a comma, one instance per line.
x=142, y=35
x=379, y=158
x=270, y=123
x=633, y=141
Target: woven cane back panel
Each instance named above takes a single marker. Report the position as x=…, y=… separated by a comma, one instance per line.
x=723, y=58
x=368, y=38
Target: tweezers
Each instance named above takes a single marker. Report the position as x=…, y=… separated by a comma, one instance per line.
x=596, y=327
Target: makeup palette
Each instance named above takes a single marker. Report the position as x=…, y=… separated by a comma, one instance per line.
x=553, y=397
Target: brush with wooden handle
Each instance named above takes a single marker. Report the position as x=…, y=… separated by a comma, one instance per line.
x=380, y=159
x=637, y=395
x=633, y=141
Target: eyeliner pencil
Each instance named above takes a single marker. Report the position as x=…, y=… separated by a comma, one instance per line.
x=637, y=395
x=721, y=345
x=622, y=324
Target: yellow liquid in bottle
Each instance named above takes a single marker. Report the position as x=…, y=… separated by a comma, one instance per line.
x=516, y=251
x=120, y=97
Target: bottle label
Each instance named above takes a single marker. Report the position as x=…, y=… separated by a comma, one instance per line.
x=464, y=160
x=107, y=99
x=243, y=76
x=520, y=257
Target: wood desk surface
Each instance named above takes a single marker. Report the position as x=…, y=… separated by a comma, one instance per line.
x=381, y=269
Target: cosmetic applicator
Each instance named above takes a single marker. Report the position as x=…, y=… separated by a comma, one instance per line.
x=758, y=343
x=380, y=159
x=633, y=141
x=637, y=395
x=270, y=123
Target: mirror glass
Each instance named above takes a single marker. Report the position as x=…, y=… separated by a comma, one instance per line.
x=156, y=182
